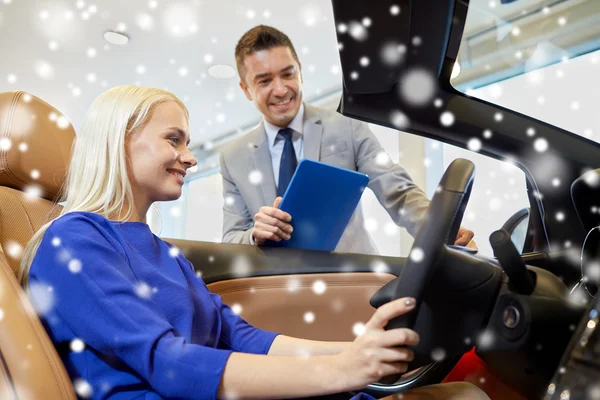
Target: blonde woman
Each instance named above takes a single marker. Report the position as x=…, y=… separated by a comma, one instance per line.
x=151, y=328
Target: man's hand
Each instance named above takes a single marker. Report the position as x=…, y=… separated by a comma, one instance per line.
x=270, y=223
x=463, y=238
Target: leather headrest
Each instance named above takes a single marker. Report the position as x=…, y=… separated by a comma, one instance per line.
x=35, y=144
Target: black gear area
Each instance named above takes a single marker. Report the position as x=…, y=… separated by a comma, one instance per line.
x=577, y=375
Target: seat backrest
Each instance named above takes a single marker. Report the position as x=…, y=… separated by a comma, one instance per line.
x=35, y=145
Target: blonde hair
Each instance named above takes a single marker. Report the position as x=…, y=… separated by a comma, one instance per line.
x=97, y=179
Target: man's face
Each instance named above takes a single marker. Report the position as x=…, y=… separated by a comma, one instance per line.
x=273, y=81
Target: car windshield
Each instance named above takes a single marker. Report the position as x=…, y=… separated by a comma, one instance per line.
x=537, y=57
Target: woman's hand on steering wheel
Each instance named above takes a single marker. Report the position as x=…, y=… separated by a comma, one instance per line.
x=377, y=353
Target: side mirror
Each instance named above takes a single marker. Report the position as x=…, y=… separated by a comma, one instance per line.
x=518, y=228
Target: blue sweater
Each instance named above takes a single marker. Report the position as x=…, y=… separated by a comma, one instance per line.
x=150, y=326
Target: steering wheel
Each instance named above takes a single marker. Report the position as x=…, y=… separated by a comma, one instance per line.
x=437, y=231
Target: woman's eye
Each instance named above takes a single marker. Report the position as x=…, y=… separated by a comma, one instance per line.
x=174, y=139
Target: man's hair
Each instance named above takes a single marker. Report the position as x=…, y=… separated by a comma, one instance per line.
x=259, y=38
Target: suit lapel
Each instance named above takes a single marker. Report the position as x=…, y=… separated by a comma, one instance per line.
x=313, y=132
x=262, y=162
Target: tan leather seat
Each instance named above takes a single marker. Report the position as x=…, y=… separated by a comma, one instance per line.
x=35, y=144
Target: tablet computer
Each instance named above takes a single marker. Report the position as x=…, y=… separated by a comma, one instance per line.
x=321, y=199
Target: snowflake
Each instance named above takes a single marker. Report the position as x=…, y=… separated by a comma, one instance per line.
x=236, y=308
x=42, y=296
x=447, y=118
x=486, y=339
x=358, y=31
x=292, y=285
x=392, y=53
x=143, y=290
x=371, y=224
x=241, y=266
x=383, y=159
x=358, y=329
x=174, y=251
x=418, y=87
x=319, y=287
x=417, y=255
x=44, y=70
x=474, y=144
x=62, y=122
x=77, y=345
x=540, y=145
x=14, y=249
x=83, y=388
x=390, y=228
x=379, y=267
x=255, y=177
x=309, y=317
x=399, y=119
x=75, y=266
x=438, y=354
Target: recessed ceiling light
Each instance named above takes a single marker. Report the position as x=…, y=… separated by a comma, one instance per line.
x=117, y=38
x=221, y=71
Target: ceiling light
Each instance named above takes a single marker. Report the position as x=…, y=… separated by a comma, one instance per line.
x=117, y=38
x=221, y=71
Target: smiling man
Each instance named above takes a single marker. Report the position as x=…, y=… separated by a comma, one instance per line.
x=257, y=169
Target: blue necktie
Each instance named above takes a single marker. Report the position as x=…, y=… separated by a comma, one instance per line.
x=288, y=162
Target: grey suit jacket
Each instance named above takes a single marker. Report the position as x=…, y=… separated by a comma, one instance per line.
x=331, y=138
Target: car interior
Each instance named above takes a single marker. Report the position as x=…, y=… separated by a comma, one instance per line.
x=520, y=323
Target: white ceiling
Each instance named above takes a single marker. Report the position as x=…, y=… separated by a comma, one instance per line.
x=183, y=36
